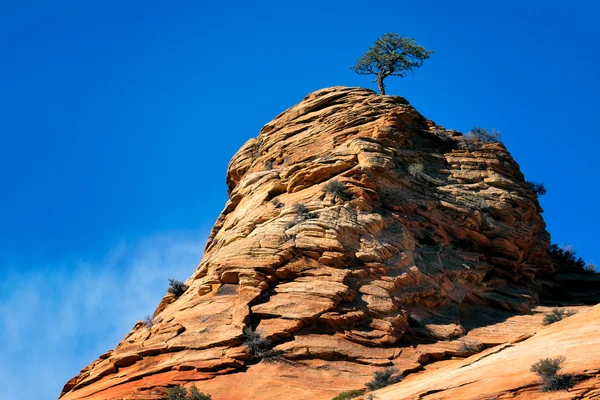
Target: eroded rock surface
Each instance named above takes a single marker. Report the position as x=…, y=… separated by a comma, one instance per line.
x=427, y=227
x=503, y=372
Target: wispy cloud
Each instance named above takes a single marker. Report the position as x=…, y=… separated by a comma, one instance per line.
x=56, y=320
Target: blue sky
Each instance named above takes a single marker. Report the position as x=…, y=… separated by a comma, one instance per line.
x=118, y=119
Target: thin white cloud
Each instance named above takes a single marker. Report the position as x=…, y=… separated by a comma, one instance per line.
x=57, y=319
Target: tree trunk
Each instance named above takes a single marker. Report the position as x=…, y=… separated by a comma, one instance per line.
x=380, y=84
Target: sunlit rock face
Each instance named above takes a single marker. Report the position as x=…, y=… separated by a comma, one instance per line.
x=354, y=225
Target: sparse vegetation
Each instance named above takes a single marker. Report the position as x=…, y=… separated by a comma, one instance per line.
x=391, y=55
x=277, y=203
x=384, y=378
x=179, y=393
x=469, y=345
x=350, y=394
x=148, y=322
x=177, y=287
x=415, y=170
x=537, y=188
x=337, y=189
x=557, y=315
x=482, y=135
x=548, y=369
x=591, y=268
x=195, y=394
x=260, y=347
x=566, y=260
x=302, y=214
x=268, y=165
x=301, y=210
x=176, y=393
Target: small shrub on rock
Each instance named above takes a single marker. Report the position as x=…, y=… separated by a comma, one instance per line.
x=277, y=203
x=384, y=378
x=176, y=393
x=548, y=369
x=195, y=394
x=149, y=322
x=350, y=394
x=179, y=393
x=469, y=345
x=559, y=382
x=260, y=347
x=337, y=189
x=537, y=188
x=557, y=315
x=302, y=213
x=177, y=287
x=415, y=170
x=482, y=135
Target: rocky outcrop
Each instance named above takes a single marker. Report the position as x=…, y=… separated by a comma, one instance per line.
x=503, y=372
x=420, y=227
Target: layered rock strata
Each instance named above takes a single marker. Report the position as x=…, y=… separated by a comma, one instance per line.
x=354, y=226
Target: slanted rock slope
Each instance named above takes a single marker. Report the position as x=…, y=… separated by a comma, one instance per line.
x=354, y=227
x=503, y=372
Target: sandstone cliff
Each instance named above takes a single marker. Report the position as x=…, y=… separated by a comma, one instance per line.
x=428, y=233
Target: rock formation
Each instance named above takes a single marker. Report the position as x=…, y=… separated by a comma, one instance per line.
x=355, y=227
x=503, y=372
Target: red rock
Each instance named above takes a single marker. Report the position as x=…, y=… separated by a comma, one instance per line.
x=340, y=288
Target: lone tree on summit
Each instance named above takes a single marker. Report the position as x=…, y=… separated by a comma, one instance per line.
x=391, y=55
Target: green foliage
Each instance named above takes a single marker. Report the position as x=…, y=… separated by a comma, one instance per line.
x=195, y=394
x=557, y=315
x=337, y=189
x=482, y=135
x=384, y=378
x=391, y=55
x=537, y=188
x=176, y=393
x=177, y=287
x=350, y=394
x=179, y=393
x=548, y=369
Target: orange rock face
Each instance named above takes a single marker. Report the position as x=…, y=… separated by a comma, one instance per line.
x=503, y=372
x=355, y=227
